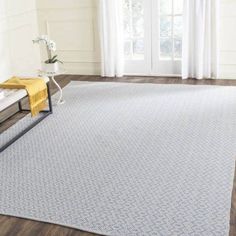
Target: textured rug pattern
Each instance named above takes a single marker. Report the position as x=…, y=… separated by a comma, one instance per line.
x=127, y=160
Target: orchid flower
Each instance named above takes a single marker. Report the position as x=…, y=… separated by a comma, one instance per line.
x=51, y=45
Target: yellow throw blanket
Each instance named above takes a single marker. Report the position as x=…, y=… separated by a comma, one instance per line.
x=36, y=89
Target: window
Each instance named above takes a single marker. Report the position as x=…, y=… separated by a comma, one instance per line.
x=153, y=36
x=134, y=29
x=170, y=12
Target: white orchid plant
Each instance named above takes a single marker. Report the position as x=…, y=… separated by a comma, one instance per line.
x=50, y=46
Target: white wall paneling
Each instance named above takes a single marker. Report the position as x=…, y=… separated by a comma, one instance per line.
x=18, y=26
x=228, y=39
x=73, y=25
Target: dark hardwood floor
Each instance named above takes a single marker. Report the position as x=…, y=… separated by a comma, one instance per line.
x=13, y=226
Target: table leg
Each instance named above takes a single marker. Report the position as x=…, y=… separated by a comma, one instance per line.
x=60, y=100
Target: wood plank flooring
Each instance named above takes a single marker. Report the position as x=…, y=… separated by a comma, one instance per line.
x=13, y=226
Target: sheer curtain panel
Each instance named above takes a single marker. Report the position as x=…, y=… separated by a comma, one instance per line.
x=111, y=37
x=200, y=39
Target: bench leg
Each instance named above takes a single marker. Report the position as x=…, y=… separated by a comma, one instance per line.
x=49, y=98
x=45, y=114
x=19, y=106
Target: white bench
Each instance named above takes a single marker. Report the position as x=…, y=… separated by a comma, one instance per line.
x=13, y=96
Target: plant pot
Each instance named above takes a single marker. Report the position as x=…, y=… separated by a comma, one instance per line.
x=51, y=68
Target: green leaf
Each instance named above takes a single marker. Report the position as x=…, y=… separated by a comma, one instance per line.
x=54, y=57
x=53, y=60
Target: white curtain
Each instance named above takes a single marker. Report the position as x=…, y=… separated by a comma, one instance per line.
x=200, y=36
x=111, y=37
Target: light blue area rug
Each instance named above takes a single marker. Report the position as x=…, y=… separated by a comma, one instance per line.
x=127, y=160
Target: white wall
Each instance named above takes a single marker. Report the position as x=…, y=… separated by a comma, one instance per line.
x=73, y=25
x=228, y=39
x=18, y=26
